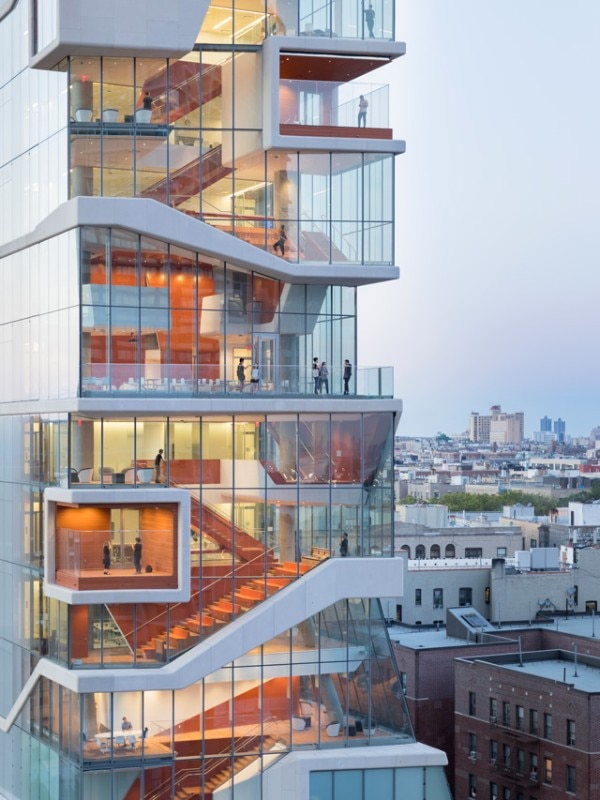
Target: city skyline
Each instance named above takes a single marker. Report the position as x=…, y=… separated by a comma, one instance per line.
x=496, y=237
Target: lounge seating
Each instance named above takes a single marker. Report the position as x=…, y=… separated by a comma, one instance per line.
x=145, y=474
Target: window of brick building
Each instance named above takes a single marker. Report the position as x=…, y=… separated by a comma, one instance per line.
x=571, y=783
x=521, y=761
x=493, y=752
x=533, y=766
x=547, y=726
x=505, y=713
x=571, y=732
x=472, y=704
x=472, y=785
x=493, y=709
x=547, y=770
x=493, y=791
x=472, y=743
x=533, y=720
x=520, y=721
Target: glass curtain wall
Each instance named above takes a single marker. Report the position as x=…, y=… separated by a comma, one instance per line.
x=158, y=318
x=184, y=134
x=330, y=682
x=271, y=496
x=228, y=21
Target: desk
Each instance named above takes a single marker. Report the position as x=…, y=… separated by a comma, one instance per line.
x=125, y=740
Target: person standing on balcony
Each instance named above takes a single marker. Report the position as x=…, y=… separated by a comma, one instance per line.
x=241, y=374
x=344, y=545
x=323, y=378
x=316, y=374
x=370, y=20
x=137, y=555
x=157, y=465
x=347, y=375
x=363, y=104
x=255, y=377
x=106, y=558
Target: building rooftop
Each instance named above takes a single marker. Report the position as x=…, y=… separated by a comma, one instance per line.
x=559, y=666
x=583, y=625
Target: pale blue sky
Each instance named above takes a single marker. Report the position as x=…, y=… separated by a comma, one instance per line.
x=498, y=215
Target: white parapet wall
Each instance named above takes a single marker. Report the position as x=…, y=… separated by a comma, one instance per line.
x=150, y=28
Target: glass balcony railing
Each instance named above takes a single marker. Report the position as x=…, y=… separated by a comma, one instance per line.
x=332, y=104
x=221, y=380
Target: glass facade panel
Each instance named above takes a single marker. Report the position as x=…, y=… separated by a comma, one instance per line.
x=147, y=329
x=175, y=132
x=347, y=784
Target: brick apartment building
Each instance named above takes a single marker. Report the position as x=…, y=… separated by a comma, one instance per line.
x=438, y=669
x=527, y=726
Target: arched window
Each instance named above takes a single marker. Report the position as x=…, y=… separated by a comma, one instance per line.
x=406, y=549
x=450, y=552
x=420, y=551
x=435, y=551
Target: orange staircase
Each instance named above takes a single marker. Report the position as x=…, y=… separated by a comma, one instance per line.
x=199, y=625
x=199, y=173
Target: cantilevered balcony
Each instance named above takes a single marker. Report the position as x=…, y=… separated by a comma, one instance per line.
x=333, y=108
x=219, y=380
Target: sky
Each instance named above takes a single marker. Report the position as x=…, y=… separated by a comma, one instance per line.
x=497, y=215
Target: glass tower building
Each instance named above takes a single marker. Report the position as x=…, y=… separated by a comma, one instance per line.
x=196, y=477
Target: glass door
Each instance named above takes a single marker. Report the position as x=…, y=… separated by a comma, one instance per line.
x=266, y=355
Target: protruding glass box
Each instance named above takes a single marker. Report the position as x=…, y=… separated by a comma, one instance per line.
x=118, y=545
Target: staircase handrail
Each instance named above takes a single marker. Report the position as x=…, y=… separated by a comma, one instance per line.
x=223, y=755
x=199, y=592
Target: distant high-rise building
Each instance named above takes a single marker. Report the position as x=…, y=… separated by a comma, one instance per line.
x=559, y=429
x=545, y=424
x=498, y=427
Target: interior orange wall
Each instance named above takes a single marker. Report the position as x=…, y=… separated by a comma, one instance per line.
x=160, y=551
x=275, y=703
x=79, y=631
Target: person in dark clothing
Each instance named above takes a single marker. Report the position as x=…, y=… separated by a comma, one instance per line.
x=370, y=20
x=280, y=243
x=344, y=545
x=137, y=555
x=241, y=374
x=147, y=102
x=106, y=557
x=347, y=375
x=157, y=464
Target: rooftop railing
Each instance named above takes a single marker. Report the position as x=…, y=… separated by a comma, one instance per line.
x=210, y=380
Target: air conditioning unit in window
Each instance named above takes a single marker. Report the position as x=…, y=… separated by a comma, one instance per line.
x=473, y=755
x=492, y=762
x=533, y=776
x=571, y=741
x=493, y=719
